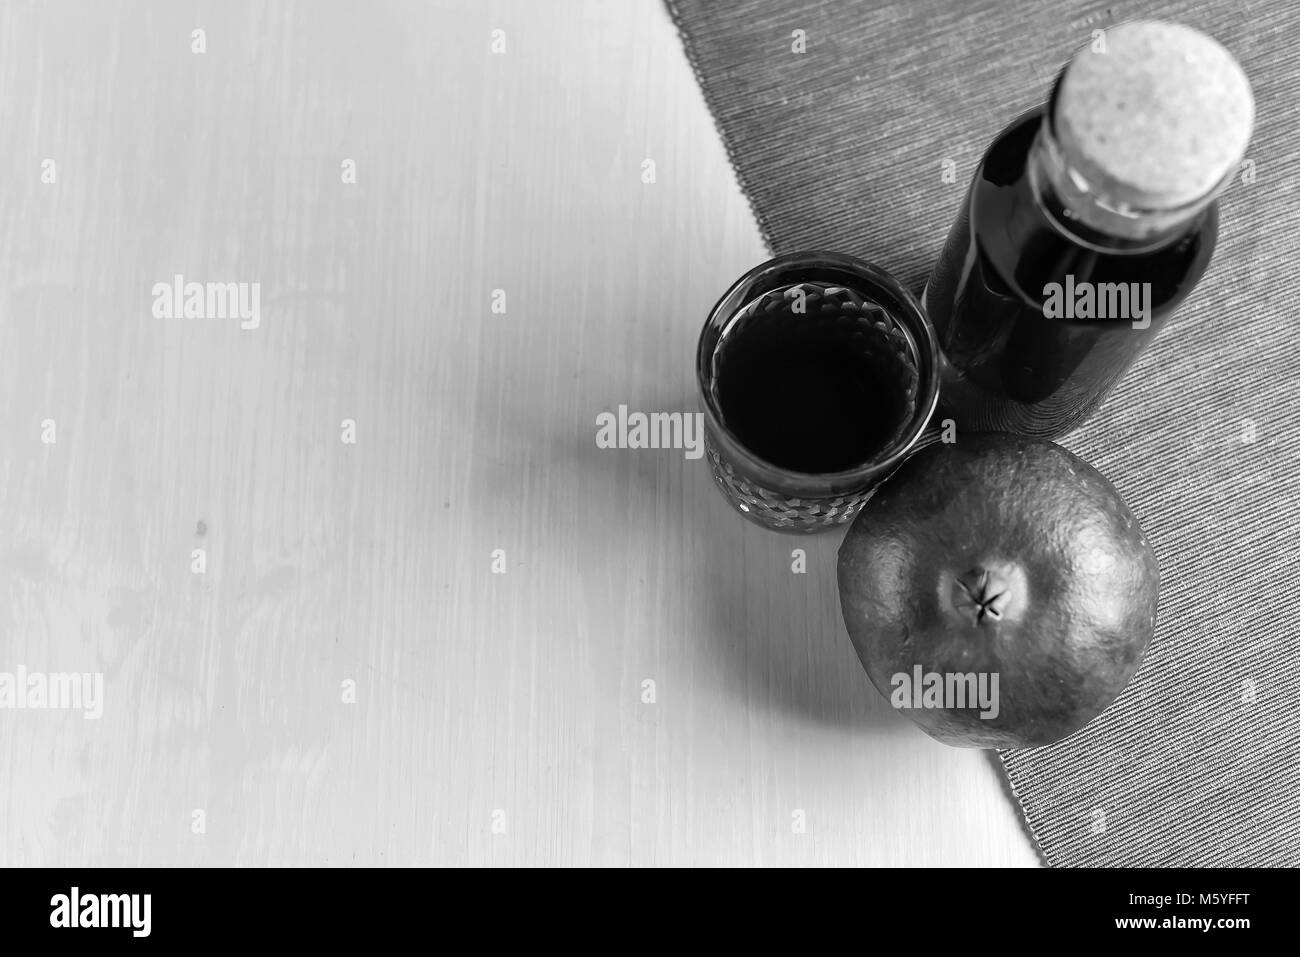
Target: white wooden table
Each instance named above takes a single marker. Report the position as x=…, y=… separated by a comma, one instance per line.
x=344, y=679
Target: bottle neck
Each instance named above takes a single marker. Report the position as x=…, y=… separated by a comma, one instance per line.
x=1081, y=210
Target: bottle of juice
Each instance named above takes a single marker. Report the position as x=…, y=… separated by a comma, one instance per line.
x=1088, y=222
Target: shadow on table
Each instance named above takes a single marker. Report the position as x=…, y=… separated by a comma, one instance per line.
x=776, y=633
x=754, y=627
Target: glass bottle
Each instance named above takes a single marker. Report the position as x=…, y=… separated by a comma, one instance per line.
x=1088, y=222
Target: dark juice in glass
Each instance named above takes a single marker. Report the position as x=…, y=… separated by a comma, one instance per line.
x=809, y=390
x=817, y=375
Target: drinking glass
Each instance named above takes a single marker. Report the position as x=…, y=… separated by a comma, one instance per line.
x=808, y=410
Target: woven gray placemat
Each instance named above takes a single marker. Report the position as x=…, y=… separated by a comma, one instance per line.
x=843, y=146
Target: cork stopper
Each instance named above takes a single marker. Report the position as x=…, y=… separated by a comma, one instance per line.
x=1154, y=115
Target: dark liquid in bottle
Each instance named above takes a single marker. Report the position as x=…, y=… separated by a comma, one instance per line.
x=1005, y=365
x=820, y=391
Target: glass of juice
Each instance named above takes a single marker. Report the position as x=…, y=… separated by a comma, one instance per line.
x=818, y=374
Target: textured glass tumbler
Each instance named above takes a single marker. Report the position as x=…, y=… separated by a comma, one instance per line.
x=813, y=323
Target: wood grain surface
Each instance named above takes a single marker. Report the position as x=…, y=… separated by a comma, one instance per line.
x=499, y=718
